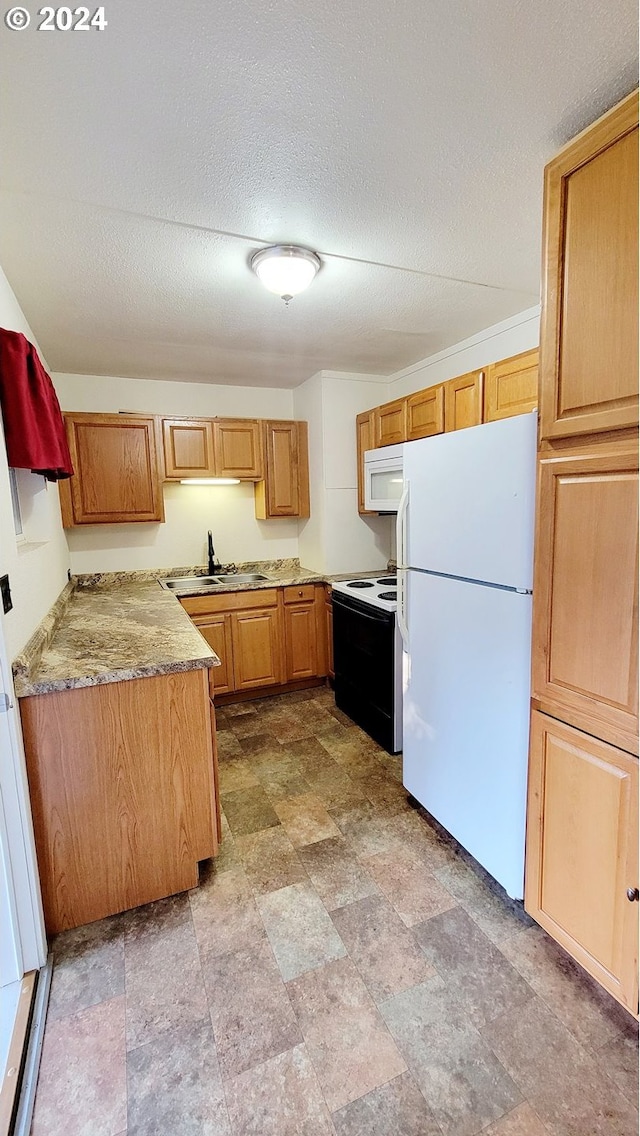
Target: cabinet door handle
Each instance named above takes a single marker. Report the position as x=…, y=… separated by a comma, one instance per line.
x=633, y=895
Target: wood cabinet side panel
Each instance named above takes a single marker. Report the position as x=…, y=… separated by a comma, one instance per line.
x=120, y=784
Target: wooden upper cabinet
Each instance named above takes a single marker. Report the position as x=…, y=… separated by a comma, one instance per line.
x=463, y=401
x=390, y=423
x=511, y=386
x=188, y=447
x=117, y=474
x=238, y=448
x=582, y=851
x=589, y=330
x=284, y=490
x=364, y=441
x=585, y=591
x=425, y=413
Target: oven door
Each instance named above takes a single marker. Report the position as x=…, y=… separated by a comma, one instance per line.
x=364, y=664
x=383, y=479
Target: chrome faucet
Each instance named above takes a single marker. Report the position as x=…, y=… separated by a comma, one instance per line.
x=213, y=563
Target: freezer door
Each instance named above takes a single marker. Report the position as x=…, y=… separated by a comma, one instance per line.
x=471, y=502
x=466, y=716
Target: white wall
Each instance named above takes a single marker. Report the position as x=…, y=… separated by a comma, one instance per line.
x=501, y=341
x=189, y=510
x=37, y=565
x=345, y=541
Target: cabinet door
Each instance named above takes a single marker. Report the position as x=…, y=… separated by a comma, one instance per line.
x=511, y=386
x=463, y=401
x=238, y=448
x=257, y=648
x=585, y=591
x=425, y=413
x=117, y=478
x=301, y=644
x=188, y=448
x=390, y=423
x=216, y=629
x=285, y=489
x=582, y=839
x=589, y=330
x=364, y=441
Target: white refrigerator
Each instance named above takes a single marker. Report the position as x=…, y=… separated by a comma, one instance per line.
x=465, y=557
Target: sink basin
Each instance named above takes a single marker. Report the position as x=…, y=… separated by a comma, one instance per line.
x=241, y=578
x=212, y=582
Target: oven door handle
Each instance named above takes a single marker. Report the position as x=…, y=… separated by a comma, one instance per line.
x=382, y=617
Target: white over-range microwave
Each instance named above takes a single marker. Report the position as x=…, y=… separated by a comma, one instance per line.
x=383, y=479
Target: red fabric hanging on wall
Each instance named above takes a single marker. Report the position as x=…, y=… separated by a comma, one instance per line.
x=33, y=424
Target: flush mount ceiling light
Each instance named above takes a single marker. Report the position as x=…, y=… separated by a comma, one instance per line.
x=285, y=269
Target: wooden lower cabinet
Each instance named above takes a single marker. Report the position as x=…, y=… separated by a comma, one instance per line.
x=216, y=629
x=264, y=638
x=301, y=639
x=582, y=851
x=122, y=786
x=257, y=648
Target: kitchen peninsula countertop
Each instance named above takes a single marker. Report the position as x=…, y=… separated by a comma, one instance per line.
x=115, y=626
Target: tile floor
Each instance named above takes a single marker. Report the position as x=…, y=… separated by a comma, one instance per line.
x=343, y=970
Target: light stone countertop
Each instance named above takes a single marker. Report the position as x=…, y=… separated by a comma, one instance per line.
x=112, y=627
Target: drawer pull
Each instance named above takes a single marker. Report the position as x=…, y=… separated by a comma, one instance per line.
x=633, y=895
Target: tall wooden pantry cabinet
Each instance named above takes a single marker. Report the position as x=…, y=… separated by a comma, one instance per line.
x=582, y=829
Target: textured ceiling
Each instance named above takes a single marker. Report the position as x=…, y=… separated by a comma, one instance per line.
x=404, y=141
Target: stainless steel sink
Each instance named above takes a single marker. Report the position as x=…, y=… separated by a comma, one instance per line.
x=180, y=583
x=241, y=578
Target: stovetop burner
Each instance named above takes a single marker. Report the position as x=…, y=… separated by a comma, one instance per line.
x=387, y=595
x=360, y=584
x=387, y=580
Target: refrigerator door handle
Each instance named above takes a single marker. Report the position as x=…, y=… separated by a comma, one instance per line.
x=401, y=616
x=401, y=527
x=401, y=556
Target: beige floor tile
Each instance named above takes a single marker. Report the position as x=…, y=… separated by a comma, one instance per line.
x=82, y=1087
x=305, y=819
x=414, y=892
x=299, y=929
x=348, y=1042
x=281, y=1097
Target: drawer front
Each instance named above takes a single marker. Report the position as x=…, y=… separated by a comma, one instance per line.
x=299, y=593
x=230, y=601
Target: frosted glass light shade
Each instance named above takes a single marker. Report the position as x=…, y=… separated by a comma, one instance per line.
x=285, y=270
